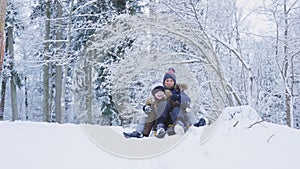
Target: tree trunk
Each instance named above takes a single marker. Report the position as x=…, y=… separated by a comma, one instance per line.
x=89, y=94
x=3, y=91
x=58, y=79
x=13, y=87
x=46, y=111
x=66, y=66
x=286, y=67
x=26, y=99
x=3, y=5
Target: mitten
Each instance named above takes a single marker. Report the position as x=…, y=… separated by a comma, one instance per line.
x=147, y=109
x=175, y=97
x=168, y=93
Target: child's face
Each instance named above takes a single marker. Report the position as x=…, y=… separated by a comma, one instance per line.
x=159, y=95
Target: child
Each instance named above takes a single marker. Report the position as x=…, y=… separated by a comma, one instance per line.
x=154, y=106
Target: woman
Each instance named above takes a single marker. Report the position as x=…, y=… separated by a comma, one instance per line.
x=177, y=102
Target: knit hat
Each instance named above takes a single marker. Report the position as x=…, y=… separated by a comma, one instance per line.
x=171, y=70
x=171, y=75
x=156, y=86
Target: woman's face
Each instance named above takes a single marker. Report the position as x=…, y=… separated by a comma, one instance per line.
x=169, y=83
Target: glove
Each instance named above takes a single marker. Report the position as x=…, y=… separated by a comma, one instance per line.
x=147, y=109
x=175, y=97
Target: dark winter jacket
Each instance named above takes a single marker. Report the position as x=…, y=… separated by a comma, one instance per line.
x=176, y=97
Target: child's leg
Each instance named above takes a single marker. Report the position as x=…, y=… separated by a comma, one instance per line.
x=163, y=113
x=147, y=128
x=140, y=127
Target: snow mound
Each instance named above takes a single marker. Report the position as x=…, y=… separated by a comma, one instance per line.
x=240, y=140
x=232, y=117
x=241, y=117
x=111, y=140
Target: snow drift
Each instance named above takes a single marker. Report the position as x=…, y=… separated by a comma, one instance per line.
x=241, y=140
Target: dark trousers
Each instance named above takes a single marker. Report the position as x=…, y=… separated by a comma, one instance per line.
x=170, y=115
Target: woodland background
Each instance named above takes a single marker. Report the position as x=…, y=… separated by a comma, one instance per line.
x=92, y=61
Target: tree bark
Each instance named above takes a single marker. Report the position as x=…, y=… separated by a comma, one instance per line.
x=26, y=99
x=3, y=5
x=58, y=79
x=46, y=111
x=286, y=67
x=13, y=88
x=89, y=93
x=66, y=66
x=3, y=91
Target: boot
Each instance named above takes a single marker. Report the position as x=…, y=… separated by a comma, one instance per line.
x=134, y=134
x=201, y=122
x=179, y=128
x=160, y=131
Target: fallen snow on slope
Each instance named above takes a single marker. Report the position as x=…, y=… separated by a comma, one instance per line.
x=242, y=141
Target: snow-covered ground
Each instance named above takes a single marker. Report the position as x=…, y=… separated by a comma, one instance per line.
x=241, y=141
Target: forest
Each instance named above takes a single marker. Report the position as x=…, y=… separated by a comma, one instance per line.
x=93, y=61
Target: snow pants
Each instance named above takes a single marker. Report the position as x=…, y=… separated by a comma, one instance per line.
x=147, y=123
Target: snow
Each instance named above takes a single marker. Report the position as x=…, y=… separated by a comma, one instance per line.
x=242, y=140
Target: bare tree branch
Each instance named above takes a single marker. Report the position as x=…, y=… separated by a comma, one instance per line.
x=258, y=122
